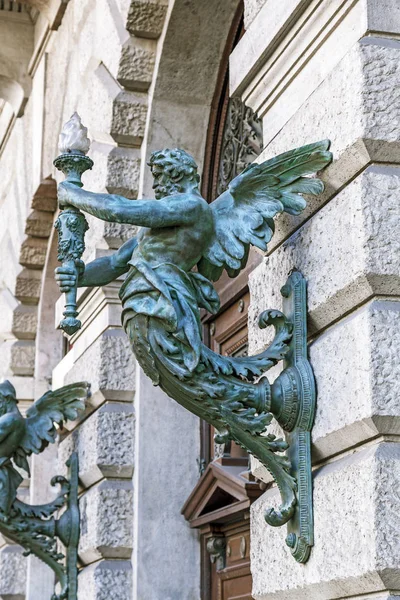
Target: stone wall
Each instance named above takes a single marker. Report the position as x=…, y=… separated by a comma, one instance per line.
x=311, y=70
x=107, y=55
x=331, y=71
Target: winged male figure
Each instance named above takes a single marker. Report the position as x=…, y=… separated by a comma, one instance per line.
x=20, y=437
x=183, y=245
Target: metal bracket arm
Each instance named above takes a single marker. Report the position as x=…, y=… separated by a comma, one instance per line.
x=35, y=529
x=291, y=401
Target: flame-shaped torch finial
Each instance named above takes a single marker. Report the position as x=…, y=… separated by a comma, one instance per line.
x=71, y=223
x=73, y=136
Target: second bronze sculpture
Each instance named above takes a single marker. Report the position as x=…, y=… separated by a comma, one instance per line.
x=34, y=526
x=185, y=244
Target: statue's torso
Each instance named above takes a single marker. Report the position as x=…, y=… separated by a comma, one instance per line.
x=12, y=428
x=182, y=245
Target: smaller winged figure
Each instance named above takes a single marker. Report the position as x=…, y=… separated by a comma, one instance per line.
x=20, y=437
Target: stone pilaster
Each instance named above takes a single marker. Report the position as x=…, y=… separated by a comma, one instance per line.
x=104, y=441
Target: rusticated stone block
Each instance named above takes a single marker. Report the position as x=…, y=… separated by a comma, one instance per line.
x=22, y=359
x=45, y=198
x=358, y=385
x=123, y=172
x=12, y=573
x=28, y=285
x=108, y=35
x=106, y=579
x=104, y=443
x=33, y=253
x=348, y=252
x=129, y=118
x=368, y=113
x=359, y=557
x=39, y=224
x=116, y=234
x=108, y=364
x=25, y=322
x=119, y=115
x=146, y=18
x=106, y=521
x=136, y=65
x=357, y=372
x=118, y=170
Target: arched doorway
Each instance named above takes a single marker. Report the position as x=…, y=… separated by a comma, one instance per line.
x=167, y=436
x=219, y=504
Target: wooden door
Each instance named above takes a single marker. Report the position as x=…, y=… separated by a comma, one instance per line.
x=235, y=580
x=227, y=335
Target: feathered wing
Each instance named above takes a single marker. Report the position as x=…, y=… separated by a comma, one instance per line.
x=243, y=215
x=42, y=417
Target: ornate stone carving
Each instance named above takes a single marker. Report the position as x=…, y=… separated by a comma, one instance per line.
x=216, y=547
x=241, y=142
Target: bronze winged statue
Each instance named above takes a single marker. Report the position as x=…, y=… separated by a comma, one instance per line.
x=32, y=526
x=185, y=244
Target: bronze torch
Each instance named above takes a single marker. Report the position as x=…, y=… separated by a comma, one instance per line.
x=71, y=224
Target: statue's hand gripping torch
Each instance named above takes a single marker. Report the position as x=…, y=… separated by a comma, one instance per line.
x=71, y=223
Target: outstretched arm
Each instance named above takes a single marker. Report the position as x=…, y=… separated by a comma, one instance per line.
x=117, y=209
x=100, y=271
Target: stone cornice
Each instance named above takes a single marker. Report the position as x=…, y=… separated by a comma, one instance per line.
x=286, y=38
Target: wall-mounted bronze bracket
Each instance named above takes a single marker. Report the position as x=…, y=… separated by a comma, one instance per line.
x=36, y=530
x=293, y=398
x=185, y=245
x=68, y=529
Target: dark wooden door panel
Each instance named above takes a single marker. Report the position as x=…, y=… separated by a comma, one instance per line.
x=228, y=336
x=237, y=586
x=238, y=549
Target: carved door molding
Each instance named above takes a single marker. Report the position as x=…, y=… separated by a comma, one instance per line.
x=219, y=507
x=234, y=137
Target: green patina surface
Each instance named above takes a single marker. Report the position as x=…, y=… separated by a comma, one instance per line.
x=185, y=244
x=34, y=526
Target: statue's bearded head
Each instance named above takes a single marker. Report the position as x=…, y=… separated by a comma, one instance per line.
x=174, y=172
x=8, y=397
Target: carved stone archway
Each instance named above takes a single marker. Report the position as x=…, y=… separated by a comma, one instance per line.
x=194, y=40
